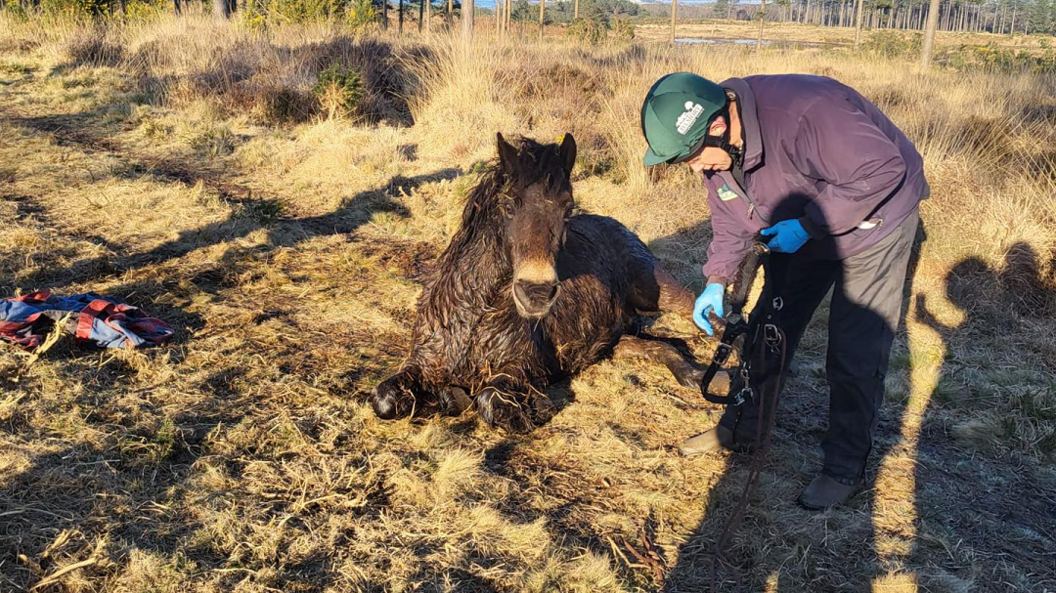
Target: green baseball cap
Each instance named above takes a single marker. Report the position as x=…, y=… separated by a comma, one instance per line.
x=675, y=116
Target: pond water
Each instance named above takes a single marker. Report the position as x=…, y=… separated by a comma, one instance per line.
x=710, y=41
x=745, y=41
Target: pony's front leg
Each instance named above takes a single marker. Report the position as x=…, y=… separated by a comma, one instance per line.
x=402, y=395
x=503, y=403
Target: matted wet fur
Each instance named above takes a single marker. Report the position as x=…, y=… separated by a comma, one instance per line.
x=526, y=293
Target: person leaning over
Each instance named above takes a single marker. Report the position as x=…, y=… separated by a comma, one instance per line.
x=813, y=168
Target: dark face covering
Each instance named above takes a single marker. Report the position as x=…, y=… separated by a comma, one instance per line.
x=723, y=143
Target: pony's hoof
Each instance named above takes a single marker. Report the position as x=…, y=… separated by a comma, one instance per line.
x=691, y=376
x=720, y=383
x=541, y=409
x=454, y=401
x=687, y=375
x=501, y=412
x=391, y=401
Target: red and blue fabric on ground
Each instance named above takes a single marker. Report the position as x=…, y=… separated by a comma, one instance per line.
x=94, y=319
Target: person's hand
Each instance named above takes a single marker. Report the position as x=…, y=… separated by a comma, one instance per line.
x=709, y=301
x=786, y=236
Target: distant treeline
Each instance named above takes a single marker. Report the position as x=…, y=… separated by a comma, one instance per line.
x=994, y=16
x=298, y=10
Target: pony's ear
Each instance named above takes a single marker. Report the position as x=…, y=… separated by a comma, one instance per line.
x=507, y=154
x=568, y=152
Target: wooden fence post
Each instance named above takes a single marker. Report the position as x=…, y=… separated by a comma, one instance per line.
x=467, y=20
x=674, y=13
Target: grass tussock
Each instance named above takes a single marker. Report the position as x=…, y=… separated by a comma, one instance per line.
x=91, y=46
x=198, y=171
x=243, y=70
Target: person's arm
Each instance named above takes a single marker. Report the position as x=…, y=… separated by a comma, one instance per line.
x=838, y=144
x=927, y=318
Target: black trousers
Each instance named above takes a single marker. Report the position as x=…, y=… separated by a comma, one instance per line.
x=864, y=313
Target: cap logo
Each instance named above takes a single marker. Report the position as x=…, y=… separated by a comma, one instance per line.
x=688, y=117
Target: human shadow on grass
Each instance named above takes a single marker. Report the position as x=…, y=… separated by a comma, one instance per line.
x=996, y=505
x=849, y=560
x=950, y=498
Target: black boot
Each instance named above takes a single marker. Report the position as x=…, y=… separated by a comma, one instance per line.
x=825, y=491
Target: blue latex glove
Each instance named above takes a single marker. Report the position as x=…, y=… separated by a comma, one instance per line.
x=709, y=301
x=786, y=236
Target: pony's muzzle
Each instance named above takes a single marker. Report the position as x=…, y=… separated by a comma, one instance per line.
x=534, y=299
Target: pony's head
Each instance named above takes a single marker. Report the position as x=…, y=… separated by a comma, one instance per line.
x=538, y=199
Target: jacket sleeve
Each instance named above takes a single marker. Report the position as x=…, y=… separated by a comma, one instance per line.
x=859, y=166
x=729, y=243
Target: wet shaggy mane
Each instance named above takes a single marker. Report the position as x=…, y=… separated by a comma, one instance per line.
x=492, y=194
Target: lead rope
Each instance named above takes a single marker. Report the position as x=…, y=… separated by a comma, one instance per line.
x=774, y=342
x=758, y=458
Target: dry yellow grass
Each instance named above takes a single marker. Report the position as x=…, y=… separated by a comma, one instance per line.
x=659, y=30
x=242, y=457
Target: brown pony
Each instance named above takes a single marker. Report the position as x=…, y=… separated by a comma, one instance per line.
x=526, y=293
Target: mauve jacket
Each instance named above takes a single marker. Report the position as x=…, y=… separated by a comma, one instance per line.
x=818, y=151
